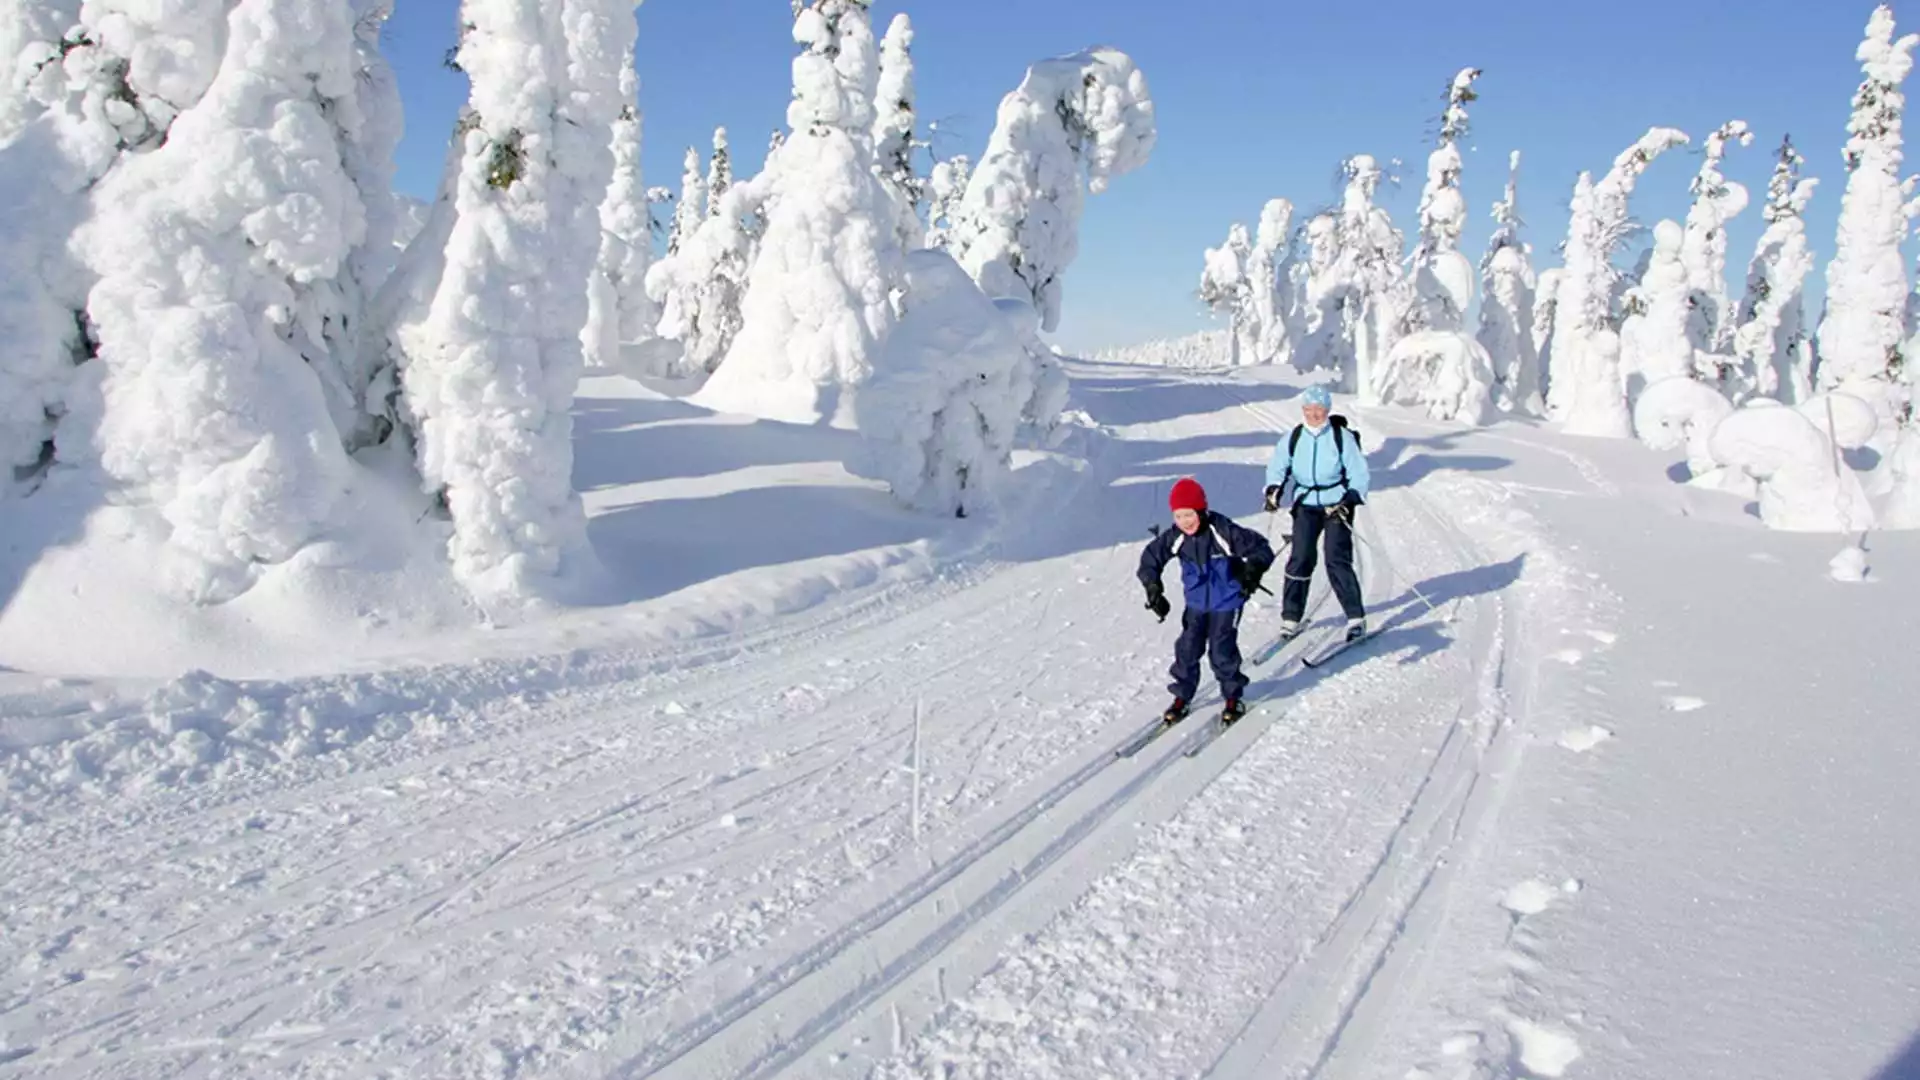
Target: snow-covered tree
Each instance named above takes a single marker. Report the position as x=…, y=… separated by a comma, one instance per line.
x=619, y=312
x=893, y=133
x=1583, y=380
x=700, y=287
x=1377, y=299
x=494, y=381
x=1270, y=279
x=1716, y=201
x=216, y=245
x=1654, y=339
x=1442, y=276
x=1862, y=334
x=1771, y=338
x=1074, y=123
x=946, y=186
x=690, y=208
x=719, y=171
x=819, y=304
x=1225, y=290
x=1507, y=308
x=1325, y=294
x=939, y=416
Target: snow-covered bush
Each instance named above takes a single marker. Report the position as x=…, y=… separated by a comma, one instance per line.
x=1074, y=124
x=1679, y=410
x=1447, y=372
x=1862, y=333
x=701, y=287
x=1583, y=378
x=500, y=356
x=1510, y=294
x=1206, y=349
x=1326, y=295
x=1771, y=338
x=819, y=300
x=1804, y=487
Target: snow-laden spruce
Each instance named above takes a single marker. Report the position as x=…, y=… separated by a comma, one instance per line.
x=1804, y=484
x=719, y=171
x=690, y=208
x=1270, y=273
x=1582, y=361
x=1862, y=333
x=1509, y=293
x=494, y=380
x=946, y=187
x=1772, y=339
x=893, y=134
x=1703, y=251
x=1433, y=362
x=1655, y=342
x=217, y=256
x=1376, y=289
x=819, y=303
x=1442, y=276
x=1225, y=290
x=1074, y=124
x=701, y=286
x=619, y=312
x=938, y=419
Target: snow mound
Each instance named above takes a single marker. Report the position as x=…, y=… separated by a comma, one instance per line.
x=1681, y=411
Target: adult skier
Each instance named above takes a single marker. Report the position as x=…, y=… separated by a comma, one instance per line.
x=1221, y=564
x=1321, y=457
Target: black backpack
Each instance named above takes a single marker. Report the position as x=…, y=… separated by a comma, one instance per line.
x=1340, y=425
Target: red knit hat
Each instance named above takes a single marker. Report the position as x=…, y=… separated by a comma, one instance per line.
x=1187, y=494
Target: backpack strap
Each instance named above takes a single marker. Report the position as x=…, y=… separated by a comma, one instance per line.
x=1339, y=425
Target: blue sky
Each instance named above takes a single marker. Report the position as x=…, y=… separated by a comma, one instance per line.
x=1257, y=99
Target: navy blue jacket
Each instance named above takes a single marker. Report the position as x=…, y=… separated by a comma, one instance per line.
x=1208, y=560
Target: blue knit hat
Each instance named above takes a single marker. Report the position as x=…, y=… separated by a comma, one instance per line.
x=1317, y=395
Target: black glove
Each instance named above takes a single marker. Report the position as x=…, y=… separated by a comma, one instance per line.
x=1273, y=498
x=1157, y=600
x=1352, y=499
x=1249, y=576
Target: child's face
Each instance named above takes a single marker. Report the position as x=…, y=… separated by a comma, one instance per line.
x=1188, y=521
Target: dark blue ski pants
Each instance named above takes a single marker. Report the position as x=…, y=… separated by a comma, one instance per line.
x=1214, y=634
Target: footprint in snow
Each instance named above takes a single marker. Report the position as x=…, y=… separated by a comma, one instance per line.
x=1530, y=898
x=1542, y=1050
x=1581, y=740
x=1682, y=703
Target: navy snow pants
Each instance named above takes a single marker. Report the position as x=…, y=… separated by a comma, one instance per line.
x=1310, y=523
x=1216, y=635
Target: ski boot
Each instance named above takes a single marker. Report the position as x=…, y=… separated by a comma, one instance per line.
x=1175, y=713
x=1356, y=629
x=1289, y=629
x=1232, y=711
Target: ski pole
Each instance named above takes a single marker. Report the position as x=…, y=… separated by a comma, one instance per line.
x=1391, y=569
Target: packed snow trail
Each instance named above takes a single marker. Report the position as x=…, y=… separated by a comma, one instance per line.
x=711, y=871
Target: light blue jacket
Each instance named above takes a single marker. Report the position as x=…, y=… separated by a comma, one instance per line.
x=1316, y=464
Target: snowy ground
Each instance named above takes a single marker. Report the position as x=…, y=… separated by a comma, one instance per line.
x=1631, y=802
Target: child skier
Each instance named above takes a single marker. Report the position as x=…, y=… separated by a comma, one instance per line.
x=1221, y=564
x=1323, y=460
